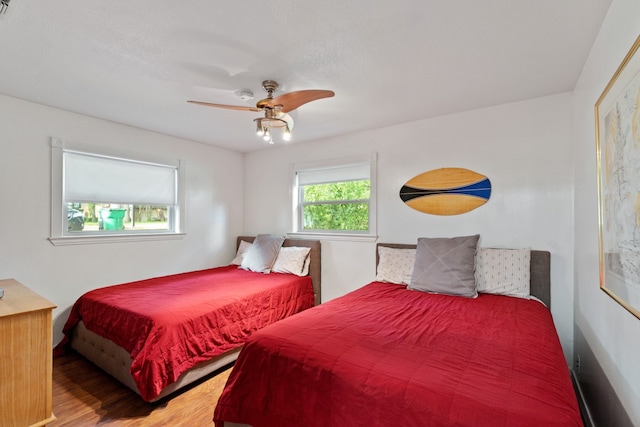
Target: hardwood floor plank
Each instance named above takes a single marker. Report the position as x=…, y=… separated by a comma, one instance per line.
x=83, y=395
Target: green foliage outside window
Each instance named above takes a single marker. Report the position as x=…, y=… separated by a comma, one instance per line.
x=336, y=206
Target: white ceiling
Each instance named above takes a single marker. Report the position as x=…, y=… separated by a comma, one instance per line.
x=137, y=62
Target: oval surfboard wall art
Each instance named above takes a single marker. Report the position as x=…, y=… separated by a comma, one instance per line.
x=446, y=191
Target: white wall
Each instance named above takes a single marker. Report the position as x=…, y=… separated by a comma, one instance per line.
x=62, y=273
x=525, y=150
x=613, y=334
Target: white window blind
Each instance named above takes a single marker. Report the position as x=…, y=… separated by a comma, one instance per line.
x=341, y=173
x=95, y=178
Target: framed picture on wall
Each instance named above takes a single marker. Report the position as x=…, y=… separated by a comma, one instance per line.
x=618, y=165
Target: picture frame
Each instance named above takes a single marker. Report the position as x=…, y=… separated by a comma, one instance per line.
x=617, y=118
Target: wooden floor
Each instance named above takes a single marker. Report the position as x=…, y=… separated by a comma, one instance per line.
x=83, y=395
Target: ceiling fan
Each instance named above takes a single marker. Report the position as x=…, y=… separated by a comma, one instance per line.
x=275, y=109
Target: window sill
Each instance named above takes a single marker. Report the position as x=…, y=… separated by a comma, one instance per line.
x=115, y=238
x=334, y=236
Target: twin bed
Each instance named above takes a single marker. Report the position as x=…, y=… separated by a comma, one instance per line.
x=159, y=335
x=397, y=351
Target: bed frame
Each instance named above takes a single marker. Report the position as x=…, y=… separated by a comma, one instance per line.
x=116, y=361
x=540, y=271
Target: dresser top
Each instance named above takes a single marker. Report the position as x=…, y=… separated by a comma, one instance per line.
x=20, y=299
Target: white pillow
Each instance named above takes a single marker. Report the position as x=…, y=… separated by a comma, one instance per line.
x=504, y=271
x=242, y=249
x=395, y=265
x=305, y=269
x=262, y=253
x=292, y=259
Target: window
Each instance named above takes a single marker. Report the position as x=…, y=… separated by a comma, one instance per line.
x=335, y=197
x=100, y=195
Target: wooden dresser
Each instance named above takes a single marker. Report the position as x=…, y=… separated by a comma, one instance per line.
x=26, y=357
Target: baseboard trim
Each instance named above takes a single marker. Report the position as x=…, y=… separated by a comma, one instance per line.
x=587, y=419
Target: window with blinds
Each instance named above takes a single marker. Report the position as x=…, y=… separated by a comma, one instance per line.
x=98, y=194
x=336, y=197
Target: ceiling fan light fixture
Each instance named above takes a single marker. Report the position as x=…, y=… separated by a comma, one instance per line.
x=286, y=135
x=259, y=128
x=265, y=126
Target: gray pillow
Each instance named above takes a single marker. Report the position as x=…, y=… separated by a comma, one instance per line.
x=446, y=266
x=262, y=253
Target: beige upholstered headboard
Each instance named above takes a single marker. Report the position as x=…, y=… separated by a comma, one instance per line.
x=314, y=254
x=540, y=271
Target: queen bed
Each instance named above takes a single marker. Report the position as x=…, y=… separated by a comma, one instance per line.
x=393, y=353
x=158, y=335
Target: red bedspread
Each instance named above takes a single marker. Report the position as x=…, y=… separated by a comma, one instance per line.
x=386, y=356
x=169, y=324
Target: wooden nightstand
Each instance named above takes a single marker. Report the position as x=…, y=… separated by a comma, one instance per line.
x=26, y=357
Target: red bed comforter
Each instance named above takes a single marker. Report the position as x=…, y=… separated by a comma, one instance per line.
x=169, y=324
x=387, y=356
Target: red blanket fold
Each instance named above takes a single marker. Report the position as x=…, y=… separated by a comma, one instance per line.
x=384, y=355
x=169, y=324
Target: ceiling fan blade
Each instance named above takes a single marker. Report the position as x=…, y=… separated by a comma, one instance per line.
x=229, y=107
x=292, y=100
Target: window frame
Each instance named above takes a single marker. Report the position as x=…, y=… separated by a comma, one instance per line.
x=297, y=208
x=59, y=235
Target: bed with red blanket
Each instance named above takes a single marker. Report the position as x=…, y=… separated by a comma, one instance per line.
x=159, y=334
x=384, y=355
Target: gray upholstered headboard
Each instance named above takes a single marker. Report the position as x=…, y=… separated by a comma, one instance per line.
x=314, y=254
x=540, y=271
